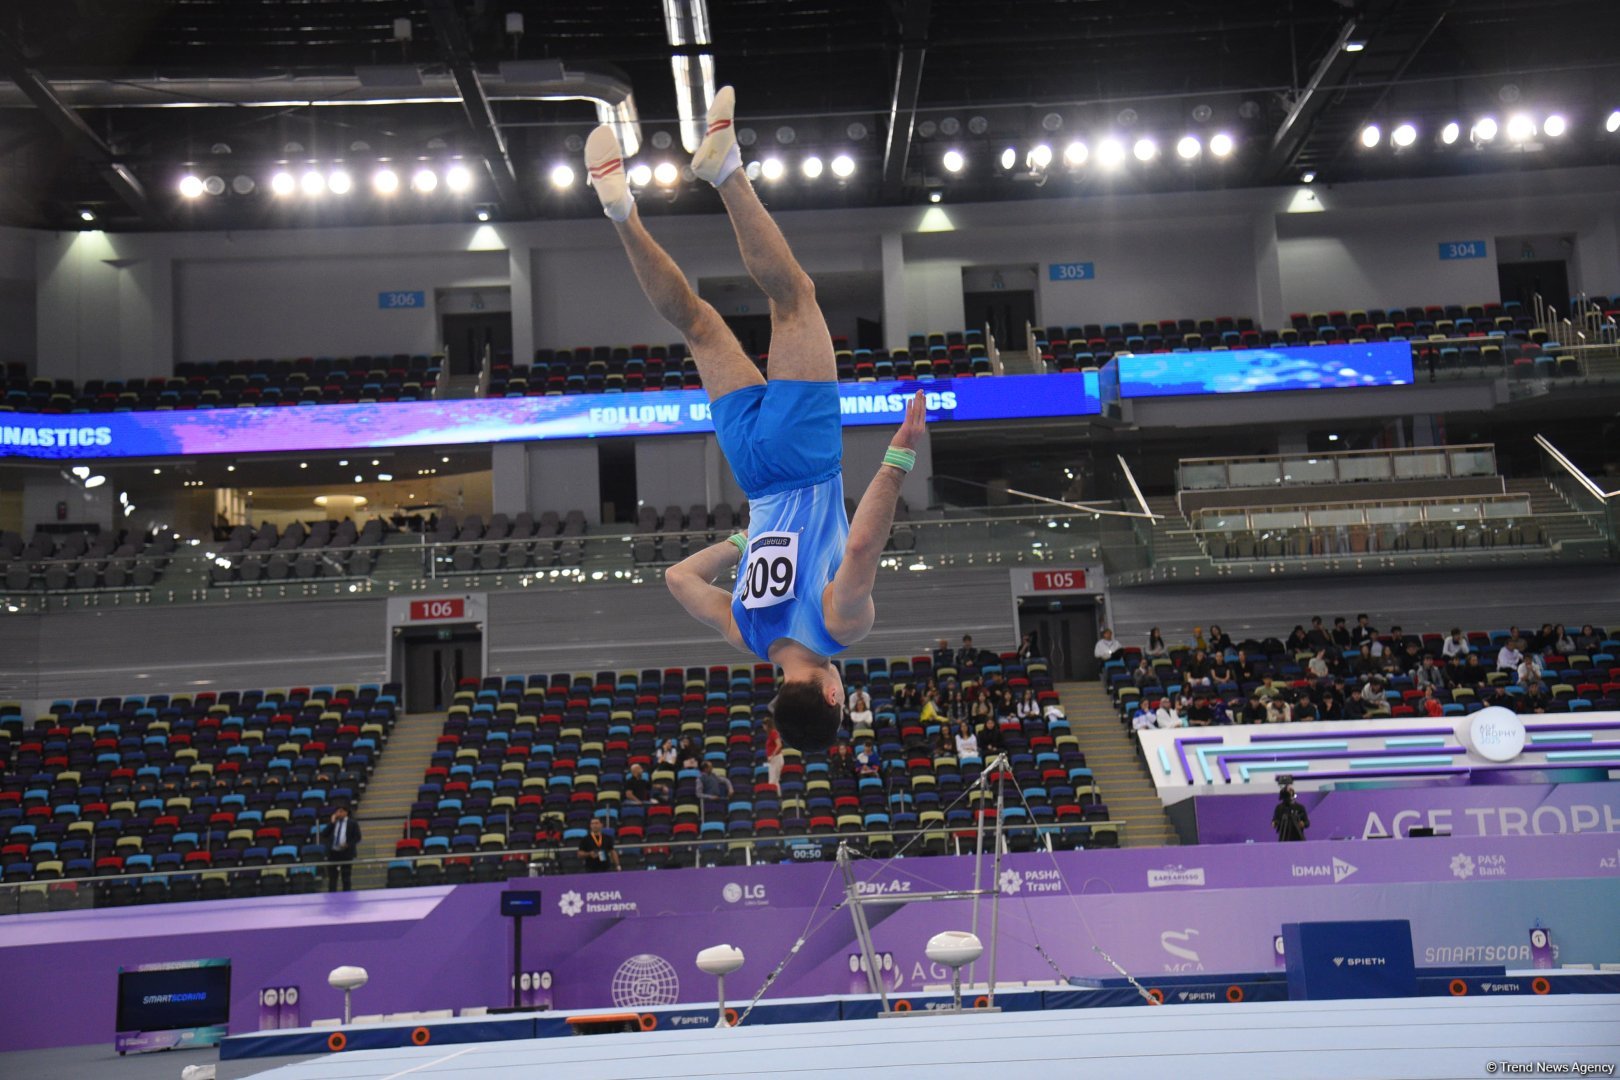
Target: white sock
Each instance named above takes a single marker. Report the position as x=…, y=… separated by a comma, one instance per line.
x=620, y=211
x=729, y=164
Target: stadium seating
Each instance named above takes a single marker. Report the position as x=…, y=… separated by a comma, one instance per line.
x=324, y=549
x=525, y=763
x=1581, y=681
x=160, y=783
x=83, y=559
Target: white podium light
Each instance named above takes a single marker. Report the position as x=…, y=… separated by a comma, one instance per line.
x=720, y=961
x=348, y=979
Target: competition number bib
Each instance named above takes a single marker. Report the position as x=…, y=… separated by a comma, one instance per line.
x=772, y=569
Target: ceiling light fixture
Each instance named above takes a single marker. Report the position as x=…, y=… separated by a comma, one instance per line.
x=562, y=176
x=1189, y=147
x=666, y=173
x=953, y=161
x=313, y=183
x=843, y=166
x=811, y=167
x=1370, y=135
x=1039, y=157
x=1009, y=156
x=385, y=181
x=1075, y=154
x=1484, y=129
x=1520, y=128
x=458, y=178
x=1110, y=153
x=190, y=186
x=425, y=181
x=339, y=182
x=1221, y=144
x=1404, y=135
x=1451, y=132
x=640, y=175
x=1554, y=126
x=1145, y=150
x=772, y=168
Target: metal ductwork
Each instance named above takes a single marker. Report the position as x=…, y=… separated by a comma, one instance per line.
x=686, y=22
x=521, y=80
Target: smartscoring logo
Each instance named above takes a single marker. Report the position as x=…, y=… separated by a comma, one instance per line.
x=55, y=436
x=1338, y=870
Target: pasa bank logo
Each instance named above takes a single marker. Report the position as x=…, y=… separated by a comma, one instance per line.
x=1462, y=866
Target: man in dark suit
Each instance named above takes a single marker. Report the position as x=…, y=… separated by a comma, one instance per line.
x=342, y=838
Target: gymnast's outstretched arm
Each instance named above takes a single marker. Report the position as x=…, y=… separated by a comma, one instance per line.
x=692, y=582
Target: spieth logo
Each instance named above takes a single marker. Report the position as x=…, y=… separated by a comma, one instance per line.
x=1462, y=866
x=571, y=903
x=734, y=893
x=1010, y=882
x=1338, y=870
x=1175, y=875
x=1360, y=961
x=1196, y=995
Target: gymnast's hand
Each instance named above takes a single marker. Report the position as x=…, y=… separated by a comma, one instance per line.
x=915, y=423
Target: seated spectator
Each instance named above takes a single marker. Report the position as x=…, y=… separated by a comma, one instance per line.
x=1317, y=637
x=1242, y=669
x=1219, y=712
x=860, y=708
x=1542, y=640
x=1143, y=674
x=1431, y=705
x=1562, y=643
x=1028, y=707
x=980, y=712
x=637, y=788
x=667, y=753
x=1410, y=655
x=1198, y=711
x=1006, y=707
x=906, y=698
x=1198, y=638
x=967, y=659
x=1106, y=646
x=1373, y=702
x=1304, y=708
x=1221, y=673
x=866, y=760
x=1529, y=669
x=1155, y=646
x=840, y=761
x=1278, y=710
x=967, y=744
x=1331, y=707
x=1298, y=642
x=1268, y=688
x=1027, y=649
x=1429, y=675
x=1535, y=696
x=1509, y=656
x=1363, y=632
x=1196, y=673
x=990, y=742
x=1167, y=716
x=712, y=786
x=1341, y=634
x=1397, y=640
x=1318, y=668
x=1455, y=644
x=955, y=707
x=1143, y=718
x=1391, y=664
x=1589, y=640
x=1218, y=641
x=1254, y=710
x=930, y=708
x=1365, y=663
x=1470, y=674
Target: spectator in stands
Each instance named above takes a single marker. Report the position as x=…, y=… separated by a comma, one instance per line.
x=1298, y=641
x=1316, y=637
x=596, y=848
x=1197, y=711
x=1027, y=649
x=1529, y=668
x=1407, y=659
x=1166, y=716
x=1541, y=640
x=1331, y=706
x=906, y=698
x=956, y=706
x=1590, y=640
x=1363, y=631
x=1028, y=707
x=1431, y=705
x=1242, y=669
x=980, y=711
x=1106, y=646
x=1196, y=673
x=967, y=744
x=1143, y=674
x=1219, y=712
x=712, y=786
x=1219, y=642
x=1268, y=688
x=1429, y=675
x=1155, y=646
x=1562, y=643
x=1373, y=702
x=1006, y=707
x=1455, y=644
x=1341, y=634
x=1397, y=640
x=990, y=741
x=1220, y=673
x=667, y=754
x=1470, y=674
x=967, y=658
x=774, y=758
x=1509, y=656
x=1198, y=638
x=1143, y=718
x=1365, y=663
x=866, y=760
x=689, y=753
x=860, y=707
x=1279, y=710
x=841, y=761
x=637, y=789
x=342, y=839
x=1317, y=667
x=1254, y=709
x=1535, y=696
x=930, y=708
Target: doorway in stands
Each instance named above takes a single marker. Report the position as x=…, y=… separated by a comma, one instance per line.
x=467, y=338
x=1528, y=266
x=1065, y=629
x=1002, y=300
x=437, y=659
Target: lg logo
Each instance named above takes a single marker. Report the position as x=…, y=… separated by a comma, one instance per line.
x=734, y=893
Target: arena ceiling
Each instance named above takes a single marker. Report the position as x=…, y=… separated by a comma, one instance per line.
x=110, y=104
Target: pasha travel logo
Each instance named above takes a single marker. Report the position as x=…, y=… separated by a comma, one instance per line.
x=1010, y=882
x=1177, y=874
x=1338, y=870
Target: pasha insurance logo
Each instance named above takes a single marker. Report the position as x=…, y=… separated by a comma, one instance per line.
x=1176, y=875
x=1010, y=882
x=571, y=903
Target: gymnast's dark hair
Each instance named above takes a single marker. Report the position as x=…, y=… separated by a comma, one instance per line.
x=803, y=717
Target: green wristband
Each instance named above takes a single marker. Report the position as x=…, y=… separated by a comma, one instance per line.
x=901, y=458
x=741, y=540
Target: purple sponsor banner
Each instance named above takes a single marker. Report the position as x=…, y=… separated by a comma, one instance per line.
x=631, y=939
x=1481, y=810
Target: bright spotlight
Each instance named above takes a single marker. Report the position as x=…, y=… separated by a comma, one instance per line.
x=1370, y=136
x=1188, y=147
x=283, y=183
x=1451, y=133
x=1520, y=127
x=953, y=161
x=1554, y=126
x=1308, y=176
x=666, y=173
x=1075, y=154
x=771, y=168
x=1220, y=144
x=1110, y=153
x=1009, y=156
x=1403, y=135
x=386, y=181
x=1145, y=149
x=87, y=215
x=425, y=181
x=843, y=166
x=1040, y=157
x=640, y=175
x=339, y=182
x=458, y=178
x=94, y=481
x=482, y=214
x=1354, y=46
x=562, y=177
x=1612, y=124
x=811, y=167
x=313, y=183
x=1484, y=129
x=191, y=186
